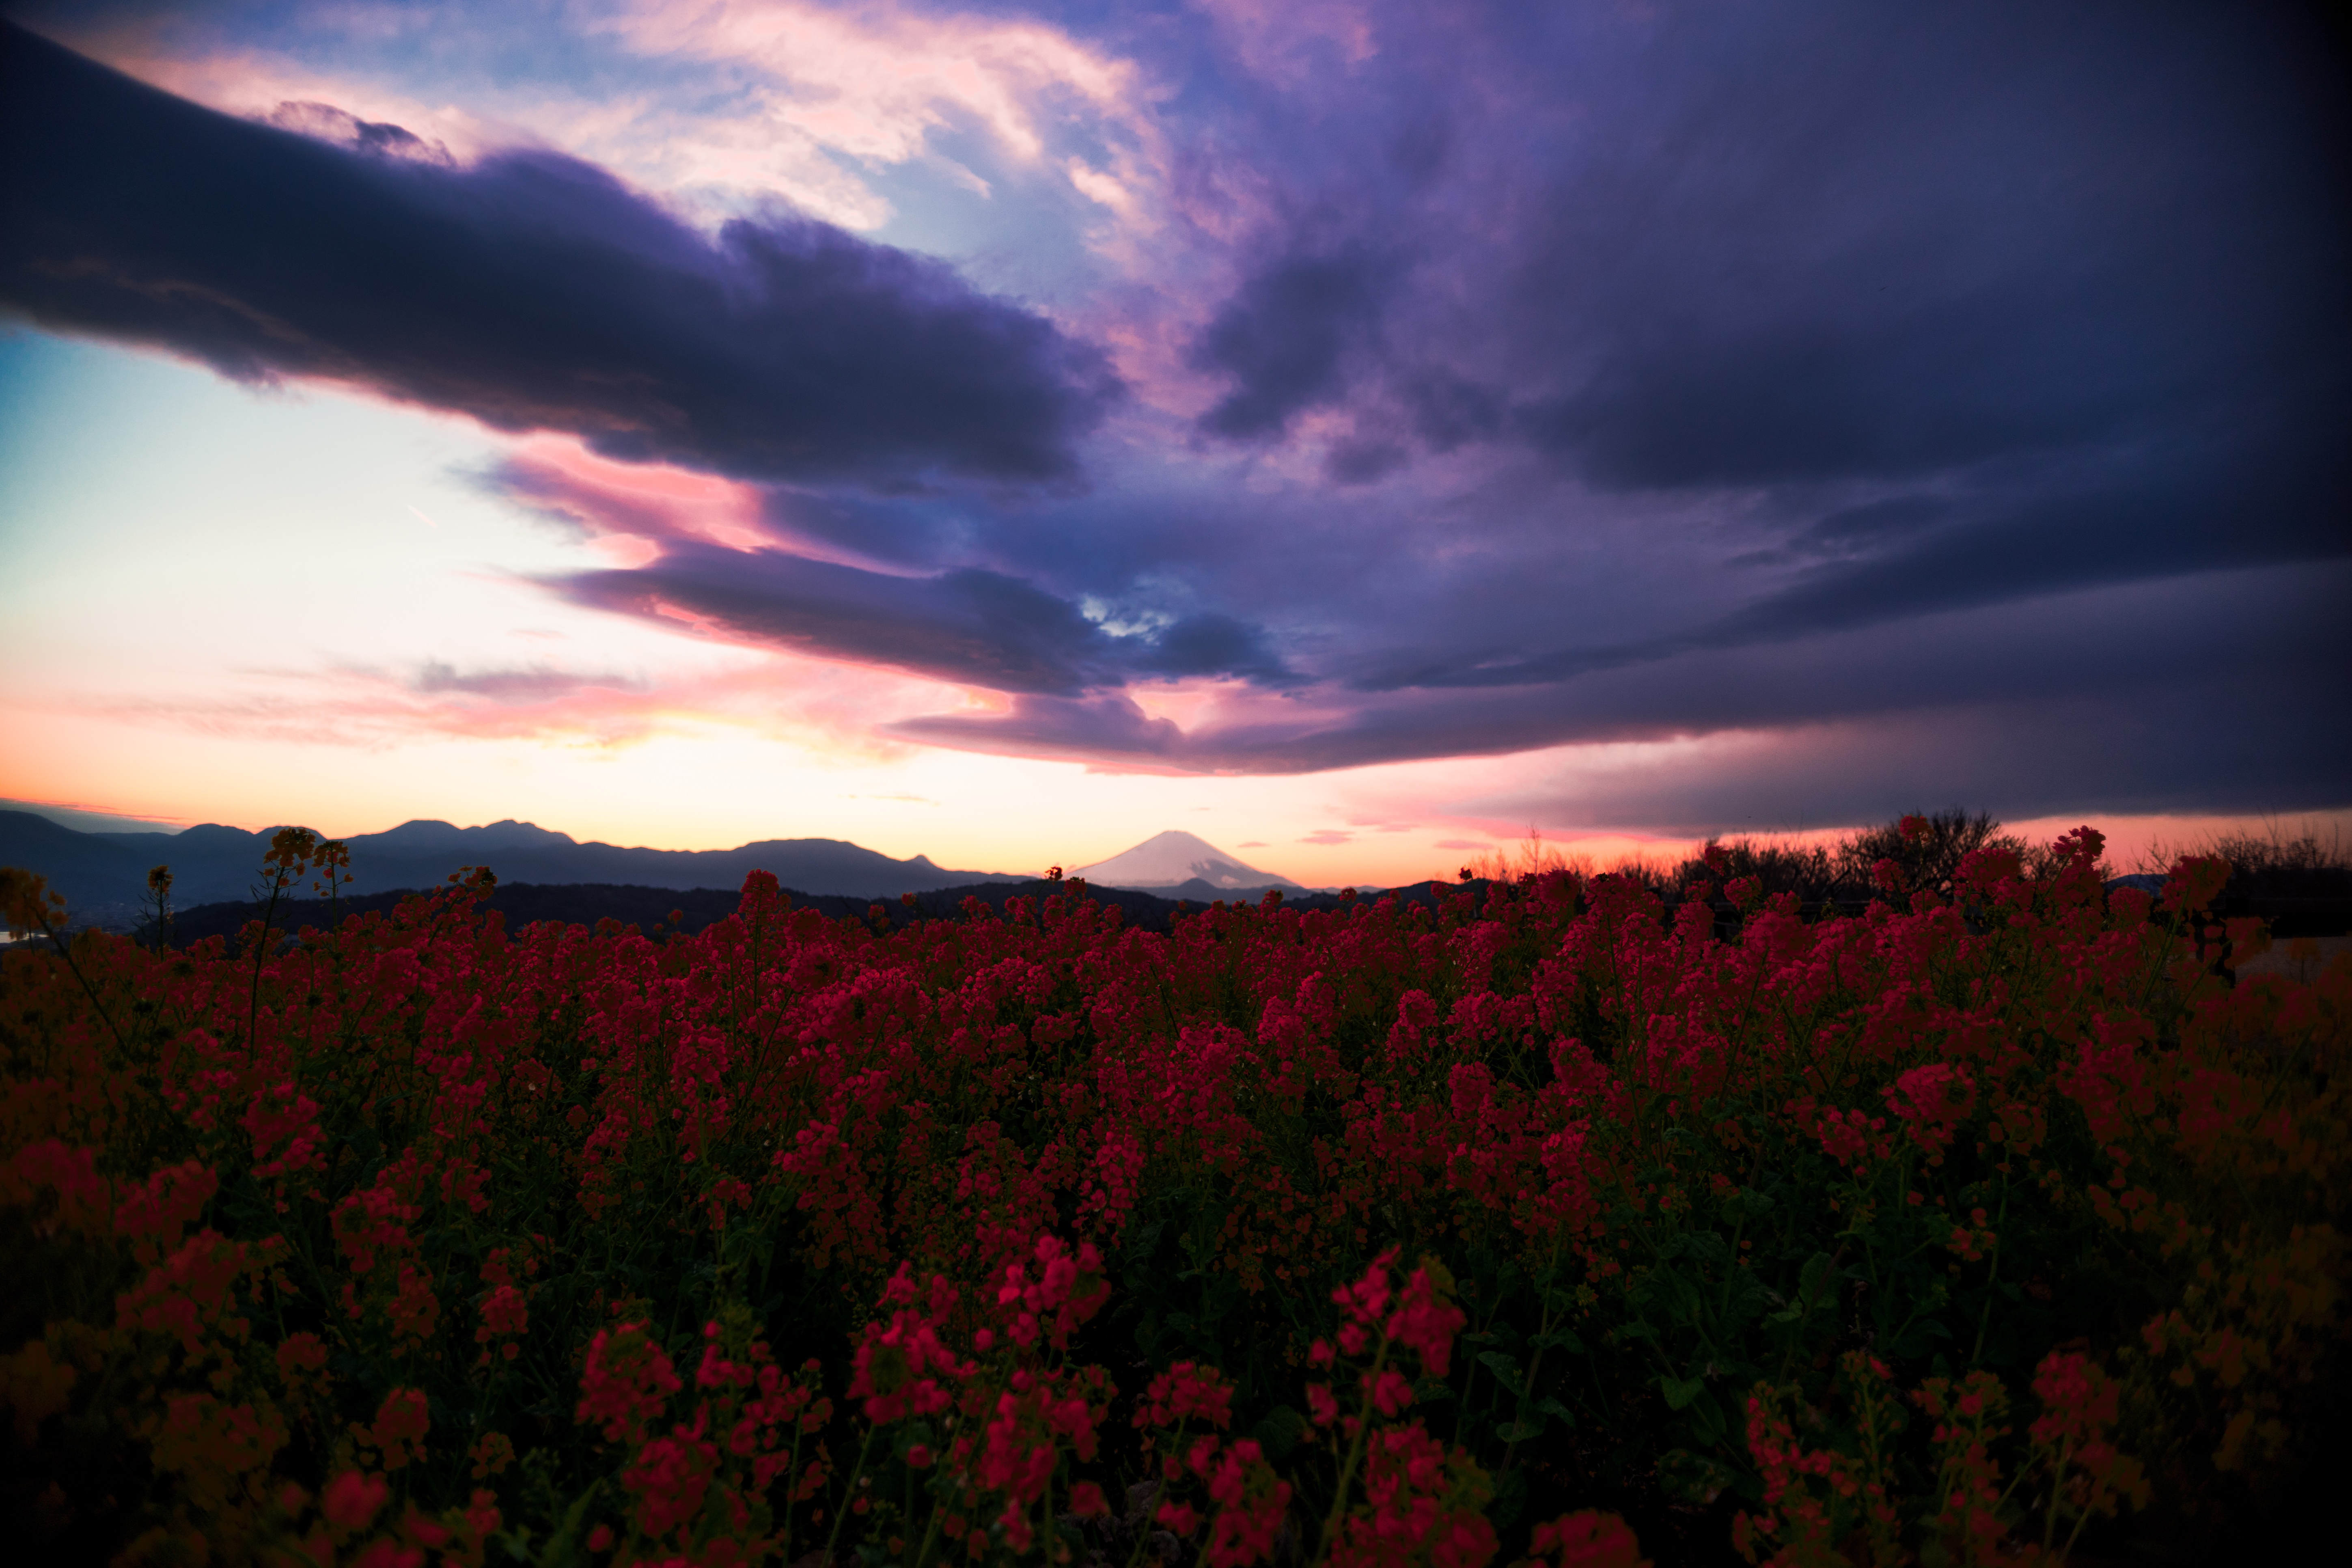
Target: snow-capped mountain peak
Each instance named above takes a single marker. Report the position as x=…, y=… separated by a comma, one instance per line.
x=1169, y=859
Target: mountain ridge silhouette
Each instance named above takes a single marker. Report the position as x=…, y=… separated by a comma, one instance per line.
x=212, y=863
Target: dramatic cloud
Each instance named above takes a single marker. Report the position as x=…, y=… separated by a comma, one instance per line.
x=531, y=291
x=325, y=123
x=970, y=626
x=1284, y=337
x=1821, y=400
x=2226, y=663
x=872, y=85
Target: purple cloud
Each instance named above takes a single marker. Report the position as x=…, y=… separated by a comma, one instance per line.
x=532, y=291
x=1957, y=393
x=973, y=627
x=537, y=684
x=1284, y=339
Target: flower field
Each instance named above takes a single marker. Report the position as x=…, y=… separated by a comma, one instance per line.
x=1555, y=1224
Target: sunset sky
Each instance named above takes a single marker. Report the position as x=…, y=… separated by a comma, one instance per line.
x=1351, y=433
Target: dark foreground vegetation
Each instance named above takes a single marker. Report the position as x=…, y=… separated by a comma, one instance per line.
x=1993, y=1222
x=2301, y=885
x=664, y=911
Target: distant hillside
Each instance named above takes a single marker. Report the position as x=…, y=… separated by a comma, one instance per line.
x=650, y=908
x=104, y=874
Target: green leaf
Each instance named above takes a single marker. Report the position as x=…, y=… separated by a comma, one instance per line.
x=1692, y=1480
x=1521, y=1431
x=1562, y=1338
x=1709, y=1247
x=1809, y=1280
x=1706, y=1418
x=1915, y=1339
x=1556, y=1410
x=1279, y=1432
x=1506, y=1370
x=1681, y=1391
x=1510, y=1498
x=562, y=1547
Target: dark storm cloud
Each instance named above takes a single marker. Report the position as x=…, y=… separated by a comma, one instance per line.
x=1854, y=531
x=1962, y=390
x=2139, y=661
x=970, y=627
x=1104, y=726
x=1788, y=246
x=1284, y=339
x=1837, y=391
x=1448, y=410
x=1856, y=241
x=532, y=291
x=1211, y=644
x=325, y=123
x=2089, y=758
x=2270, y=505
x=1896, y=560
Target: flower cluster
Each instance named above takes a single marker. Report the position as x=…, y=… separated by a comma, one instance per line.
x=418, y=1240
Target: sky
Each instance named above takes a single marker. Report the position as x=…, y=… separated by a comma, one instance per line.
x=1354, y=434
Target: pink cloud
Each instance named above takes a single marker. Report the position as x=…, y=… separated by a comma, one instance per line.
x=830, y=707
x=870, y=86
x=558, y=477
x=1295, y=41
x=261, y=85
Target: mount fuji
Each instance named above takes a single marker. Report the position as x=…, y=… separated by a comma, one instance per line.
x=1179, y=865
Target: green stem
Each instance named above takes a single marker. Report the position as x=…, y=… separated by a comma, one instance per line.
x=2057, y=1491
x=1731, y=1277
x=848, y=1496
x=1355, y=1457
x=791, y=1482
x=1805, y=1313
x=1462, y=1409
x=1159, y=1486
x=65, y=951
x=1535, y=1363
x=261, y=952
x=1993, y=1275
x=988, y=1407
x=2074, y=1535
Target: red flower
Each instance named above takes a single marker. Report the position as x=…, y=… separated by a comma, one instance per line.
x=1589, y=1539
x=627, y=1381
x=351, y=1500
x=401, y=1422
